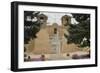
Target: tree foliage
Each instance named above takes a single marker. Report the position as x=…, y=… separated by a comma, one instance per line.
x=30, y=27
x=80, y=31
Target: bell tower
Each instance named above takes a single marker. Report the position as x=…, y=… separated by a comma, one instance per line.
x=43, y=20
x=65, y=20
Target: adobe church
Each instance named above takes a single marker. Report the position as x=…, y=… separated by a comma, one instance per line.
x=50, y=39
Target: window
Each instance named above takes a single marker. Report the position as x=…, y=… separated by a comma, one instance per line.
x=41, y=18
x=55, y=30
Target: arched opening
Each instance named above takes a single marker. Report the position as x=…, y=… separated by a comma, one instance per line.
x=55, y=30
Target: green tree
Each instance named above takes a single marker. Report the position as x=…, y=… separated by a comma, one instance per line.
x=80, y=31
x=30, y=27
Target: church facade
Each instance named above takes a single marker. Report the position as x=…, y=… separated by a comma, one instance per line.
x=50, y=39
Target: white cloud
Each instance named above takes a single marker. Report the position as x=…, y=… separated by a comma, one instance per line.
x=34, y=19
x=73, y=21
